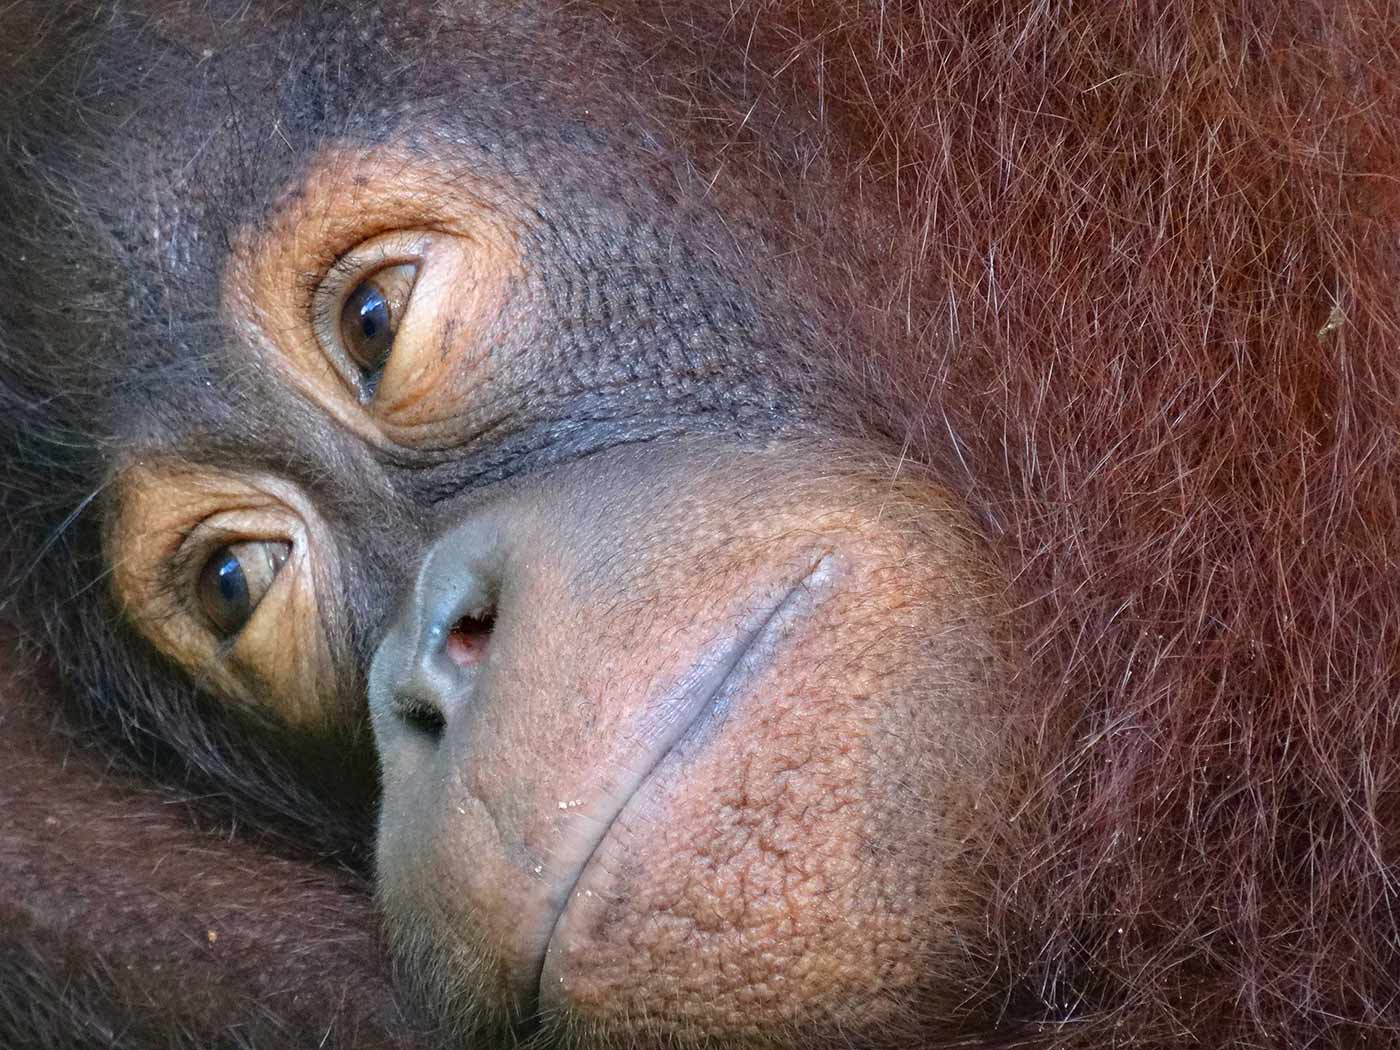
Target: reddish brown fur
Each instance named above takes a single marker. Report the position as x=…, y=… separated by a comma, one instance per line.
x=1163, y=241
x=1150, y=250
x=126, y=925
x=1160, y=241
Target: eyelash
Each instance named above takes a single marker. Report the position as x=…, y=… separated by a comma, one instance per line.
x=349, y=264
x=312, y=284
x=180, y=570
x=345, y=268
x=196, y=545
x=329, y=262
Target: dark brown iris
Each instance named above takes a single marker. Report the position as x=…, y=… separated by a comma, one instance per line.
x=236, y=578
x=369, y=320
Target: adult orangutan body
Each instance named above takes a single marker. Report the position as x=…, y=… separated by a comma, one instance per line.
x=802, y=525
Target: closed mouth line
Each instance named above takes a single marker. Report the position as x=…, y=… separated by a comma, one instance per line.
x=754, y=647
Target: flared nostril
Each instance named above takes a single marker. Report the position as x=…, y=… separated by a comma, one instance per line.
x=421, y=716
x=443, y=669
x=425, y=670
x=468, y=639
x=437, y=669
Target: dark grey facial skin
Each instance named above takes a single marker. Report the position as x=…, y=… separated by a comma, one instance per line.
x=658, y=304
x=140, y=147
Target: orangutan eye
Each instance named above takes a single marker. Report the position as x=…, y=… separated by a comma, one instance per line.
x=369, y=320
x=236, y=578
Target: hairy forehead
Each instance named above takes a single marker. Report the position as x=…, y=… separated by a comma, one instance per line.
x=148, y=141
x=189, y=121
x=144, y=137
x=161, y=98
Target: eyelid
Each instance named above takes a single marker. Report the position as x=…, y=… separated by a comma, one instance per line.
x=345, y=274
x=201, y=542
x=168, y=515
x=257, y=565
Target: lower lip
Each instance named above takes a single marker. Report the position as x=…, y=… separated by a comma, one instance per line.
x=694, y=708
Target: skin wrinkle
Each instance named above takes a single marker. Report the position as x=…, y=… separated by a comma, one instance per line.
x=661, y=907
x=352, y=203
x=636, y=582
x=163, y=509
x=710, y=703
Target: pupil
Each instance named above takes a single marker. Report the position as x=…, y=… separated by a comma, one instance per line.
x=223, y=591
x=369, y=317
x=232, y=587
x=366, y=323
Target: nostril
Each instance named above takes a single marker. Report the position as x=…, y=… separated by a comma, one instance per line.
x=467, y=641
x=430, y=674
x=425, y=717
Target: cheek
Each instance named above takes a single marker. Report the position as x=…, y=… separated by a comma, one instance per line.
x=720, y=762
x=801, y=855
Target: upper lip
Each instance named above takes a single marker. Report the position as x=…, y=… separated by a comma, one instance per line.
x=711, y=677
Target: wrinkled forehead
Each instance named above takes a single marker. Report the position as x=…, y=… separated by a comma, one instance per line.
x=151, y=138
x=183, y=117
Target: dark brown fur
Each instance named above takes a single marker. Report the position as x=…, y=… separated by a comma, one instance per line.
x=131, y=920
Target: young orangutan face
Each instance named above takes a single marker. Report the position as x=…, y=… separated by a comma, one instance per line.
x=739, y=585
